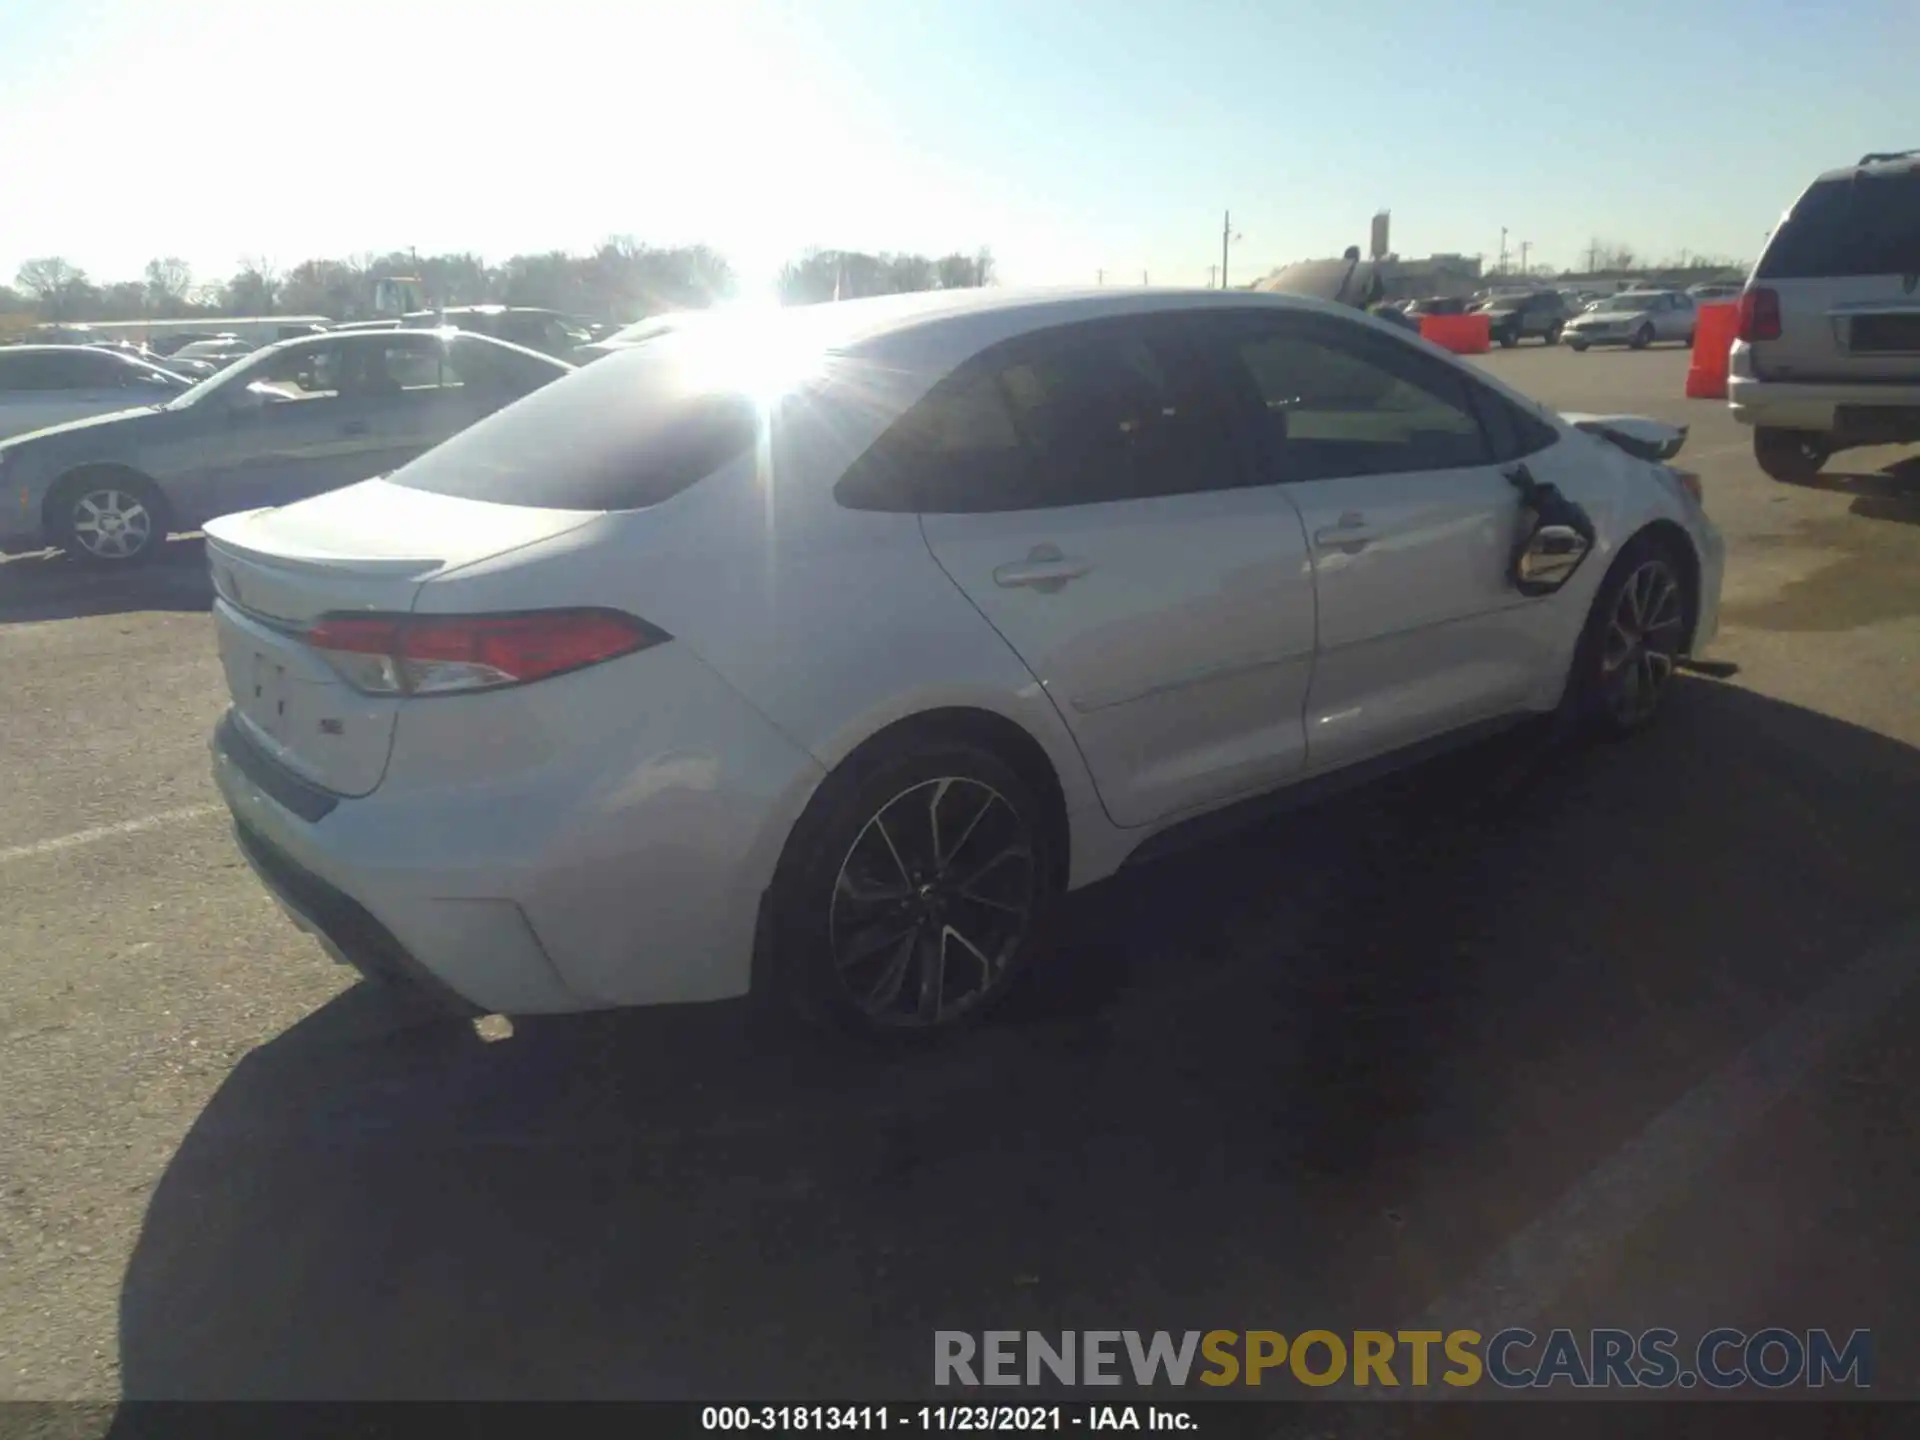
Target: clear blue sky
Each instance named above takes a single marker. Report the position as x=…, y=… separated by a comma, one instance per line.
x=1069, y=137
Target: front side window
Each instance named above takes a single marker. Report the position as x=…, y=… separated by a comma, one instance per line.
x=1338, y=401
x=312, y=372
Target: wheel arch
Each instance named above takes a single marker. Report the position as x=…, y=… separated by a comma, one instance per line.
x=1673, y=536
x=1006, y=738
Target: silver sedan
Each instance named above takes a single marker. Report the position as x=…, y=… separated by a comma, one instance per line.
x=1635, y=318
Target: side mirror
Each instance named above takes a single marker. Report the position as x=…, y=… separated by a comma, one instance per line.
x=1549, y=558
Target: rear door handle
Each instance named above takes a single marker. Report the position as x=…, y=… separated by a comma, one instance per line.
x=1045, y=568
x=1351, y=535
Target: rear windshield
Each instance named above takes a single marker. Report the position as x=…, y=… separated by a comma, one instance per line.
x=1868, y=224
x=635, y=429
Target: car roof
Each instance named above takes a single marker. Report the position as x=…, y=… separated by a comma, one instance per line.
x=971, y=318
x=445, y=333
x=1907, y=163
x=113, y=350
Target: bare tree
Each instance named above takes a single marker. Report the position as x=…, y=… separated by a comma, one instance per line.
x=169, y=282
x=61, y=290
x=254, y=289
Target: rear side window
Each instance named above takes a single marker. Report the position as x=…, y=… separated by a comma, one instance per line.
x=1078, y=415
x=1868, y=224
x=59, y=370
x=629, y=432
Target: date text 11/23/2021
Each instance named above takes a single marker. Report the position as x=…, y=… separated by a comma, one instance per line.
x=935, y=1418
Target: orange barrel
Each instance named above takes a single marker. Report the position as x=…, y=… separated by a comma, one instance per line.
x=1714, y=327
x=1462, y=334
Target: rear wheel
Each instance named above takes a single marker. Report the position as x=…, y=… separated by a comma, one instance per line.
x=1634, y=637
x=108, y=517
x=1579, y=347
x=1642, y=337
x=1793, y=456
x=911, y=890
x=1552, y=337
x=1507, y=338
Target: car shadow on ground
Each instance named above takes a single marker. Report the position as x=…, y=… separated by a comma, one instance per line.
x=54, y=586
x=1889, y=493
x=1308, y=1076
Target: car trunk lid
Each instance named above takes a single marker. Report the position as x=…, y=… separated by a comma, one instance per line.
x=366, y=549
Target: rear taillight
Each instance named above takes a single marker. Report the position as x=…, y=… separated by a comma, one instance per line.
x=1759, y=315
x=455, y=654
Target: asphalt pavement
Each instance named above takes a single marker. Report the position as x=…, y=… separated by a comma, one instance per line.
x=1622, y=1036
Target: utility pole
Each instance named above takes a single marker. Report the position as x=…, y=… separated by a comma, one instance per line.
x=1226, y=237
x=1525, y=245
x=1213, y=274
x=1593, y=257
x=1099, y=277
x=1143, y=278
x=1502, y=267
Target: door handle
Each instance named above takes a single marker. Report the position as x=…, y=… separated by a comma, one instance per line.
x=1045, y=568
x=354, y=427
x=1350, y=536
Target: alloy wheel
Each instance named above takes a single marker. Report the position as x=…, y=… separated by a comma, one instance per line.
x=112, y=524
x=932, y=902
x=1642, y=642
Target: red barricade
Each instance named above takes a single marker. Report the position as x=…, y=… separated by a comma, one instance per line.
x=1462, y=334
x=1714, y=327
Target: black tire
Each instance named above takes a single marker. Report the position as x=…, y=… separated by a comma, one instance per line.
x=1508, y=339
x=860, y=878
x=1642, y=337
x=1619, y=681
x=1579, y=347
x=1688, y=342
x=1552, y=337
x=83, y=503
x=1791, y=456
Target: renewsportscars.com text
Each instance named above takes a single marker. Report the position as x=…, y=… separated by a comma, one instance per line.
x=1724, y=1359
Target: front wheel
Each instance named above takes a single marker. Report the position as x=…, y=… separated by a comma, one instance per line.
x=912, y=888
x=1634, y=637
x=109, y=517
x=1791, y=456
x=1642, y=337
x=1552, y=337
x=1579, y=347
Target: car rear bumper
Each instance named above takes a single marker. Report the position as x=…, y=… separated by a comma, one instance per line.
x=600, y=879
x=1892, y=410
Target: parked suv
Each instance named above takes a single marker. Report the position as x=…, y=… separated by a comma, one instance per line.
x=1512, y=318
x=1828, y=351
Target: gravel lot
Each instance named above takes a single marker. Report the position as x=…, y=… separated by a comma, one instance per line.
x=1624, y=1036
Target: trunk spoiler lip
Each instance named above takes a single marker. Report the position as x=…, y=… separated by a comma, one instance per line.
x=220, y=537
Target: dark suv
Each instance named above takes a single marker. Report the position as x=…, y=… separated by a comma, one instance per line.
x=1513, y=318
x=1828, y=352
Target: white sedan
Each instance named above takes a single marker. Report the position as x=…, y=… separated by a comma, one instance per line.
x=817, y=653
